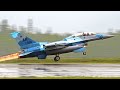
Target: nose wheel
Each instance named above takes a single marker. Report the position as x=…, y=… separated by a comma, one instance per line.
x=57, y=58
x=84, y=53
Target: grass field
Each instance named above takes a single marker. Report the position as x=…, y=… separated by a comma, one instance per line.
x=65, y=61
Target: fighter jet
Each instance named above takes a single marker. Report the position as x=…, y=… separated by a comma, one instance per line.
x=74, y=43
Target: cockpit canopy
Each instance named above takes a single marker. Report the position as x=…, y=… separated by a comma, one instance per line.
x=83, y=34
x=77, y=35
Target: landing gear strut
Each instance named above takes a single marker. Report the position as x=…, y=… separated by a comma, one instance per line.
x=84, y=53
x=57, y=58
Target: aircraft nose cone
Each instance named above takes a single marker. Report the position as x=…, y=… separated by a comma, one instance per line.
x=109, y=36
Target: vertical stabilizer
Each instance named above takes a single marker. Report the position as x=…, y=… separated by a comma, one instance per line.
x=23, y=41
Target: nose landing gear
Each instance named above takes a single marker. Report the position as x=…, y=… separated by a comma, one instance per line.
x=84, y=53
x=57, y=58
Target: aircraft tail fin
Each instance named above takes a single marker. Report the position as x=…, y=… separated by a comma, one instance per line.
x=23, y=41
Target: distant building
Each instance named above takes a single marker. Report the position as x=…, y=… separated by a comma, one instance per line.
x=30, y=25
x=49, y=30
x=14, y=27
x=22, y=28
x=0, y=27
x=4, y=24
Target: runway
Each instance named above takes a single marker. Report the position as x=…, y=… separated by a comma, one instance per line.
x=44, y=70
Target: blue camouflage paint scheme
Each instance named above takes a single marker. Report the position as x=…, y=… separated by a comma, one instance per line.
x=99, y=35
x=80, y=50
x=31, y=48
x=14, y=34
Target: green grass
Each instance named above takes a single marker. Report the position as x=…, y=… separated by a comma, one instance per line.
x=66, y=61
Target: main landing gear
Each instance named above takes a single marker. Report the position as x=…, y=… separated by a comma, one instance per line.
x=57, y=58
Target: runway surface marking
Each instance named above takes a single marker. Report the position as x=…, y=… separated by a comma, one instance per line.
x=39, y=70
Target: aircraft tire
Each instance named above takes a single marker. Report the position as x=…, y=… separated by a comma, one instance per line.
x=84, y=53
x=57, y=58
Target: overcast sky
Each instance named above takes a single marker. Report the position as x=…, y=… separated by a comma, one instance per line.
x=65, y=21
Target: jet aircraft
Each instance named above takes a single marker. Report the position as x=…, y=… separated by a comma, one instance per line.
x=74, y=43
